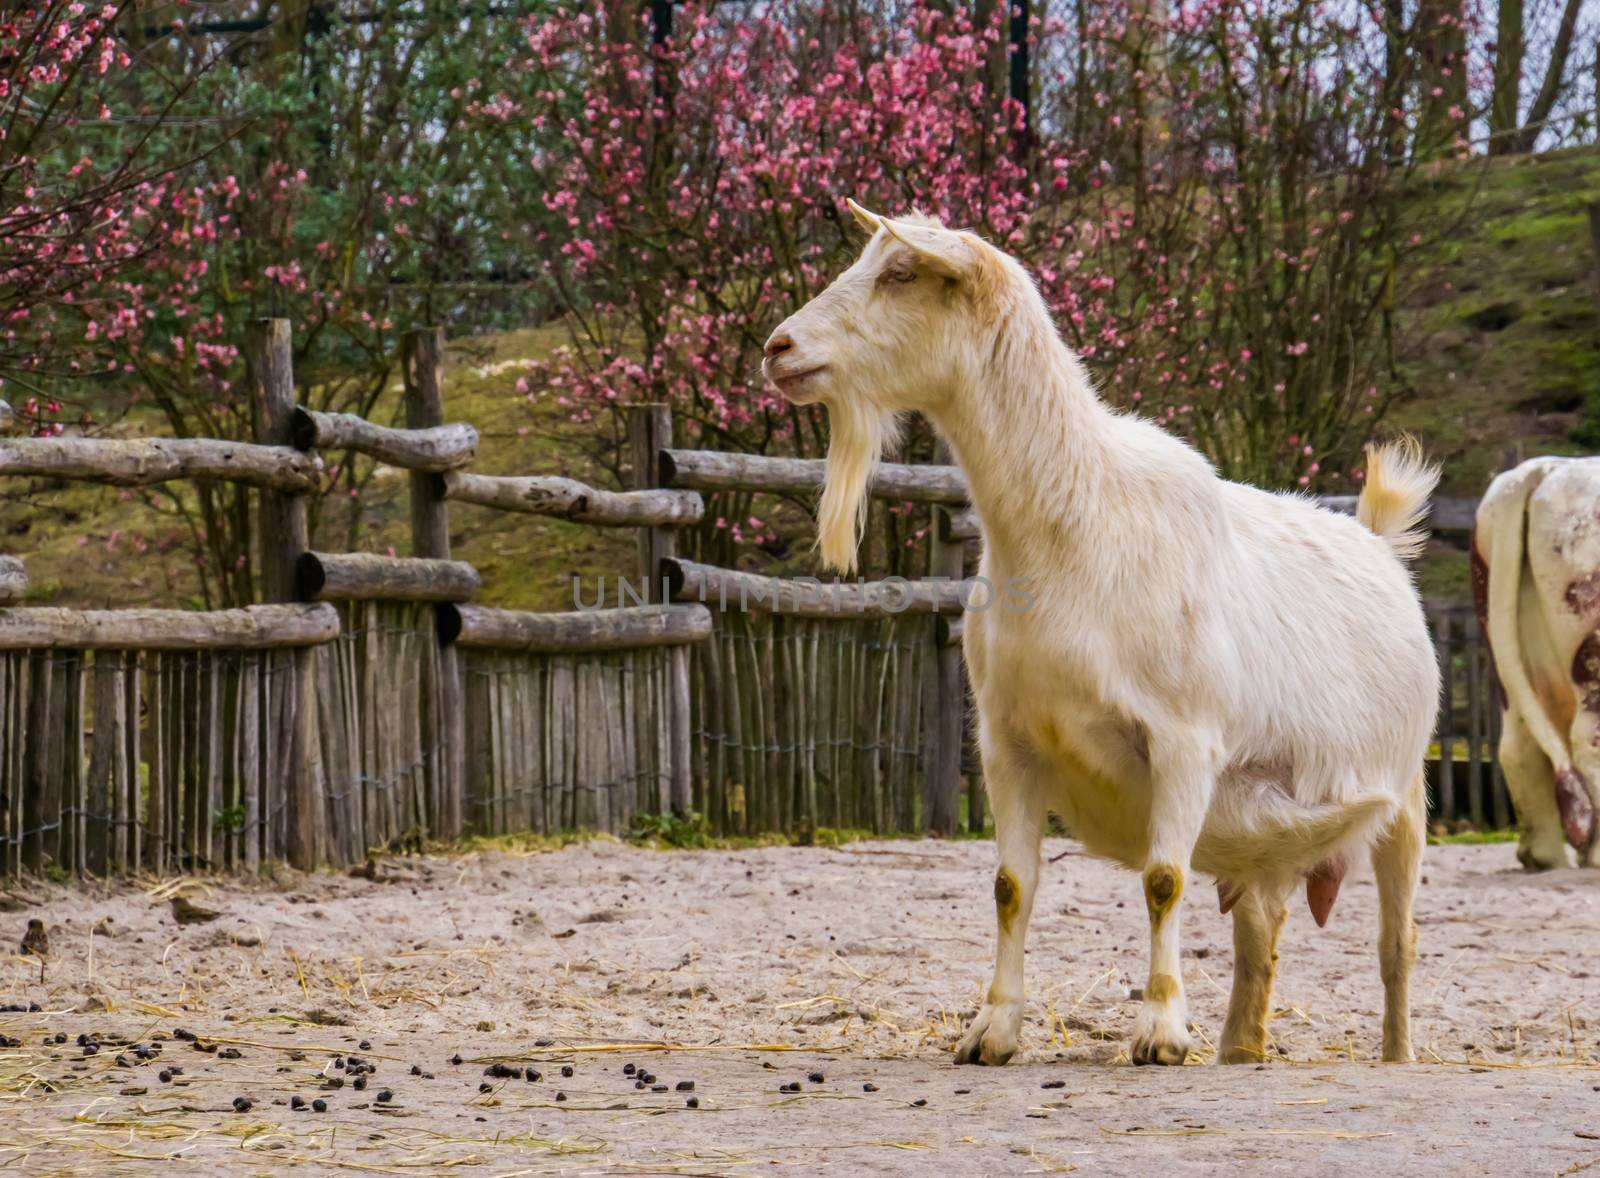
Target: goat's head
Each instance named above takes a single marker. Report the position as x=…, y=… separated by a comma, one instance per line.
x=903, y=328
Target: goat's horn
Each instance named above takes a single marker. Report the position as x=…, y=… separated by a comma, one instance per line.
x=869, y=221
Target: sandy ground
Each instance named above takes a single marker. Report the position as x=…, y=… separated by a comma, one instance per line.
x=854, y=966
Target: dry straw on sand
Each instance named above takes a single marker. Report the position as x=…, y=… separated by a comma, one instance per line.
x=745, y=971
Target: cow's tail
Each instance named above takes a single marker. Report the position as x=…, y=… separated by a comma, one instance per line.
x=1394, y=498
x=1503, y=514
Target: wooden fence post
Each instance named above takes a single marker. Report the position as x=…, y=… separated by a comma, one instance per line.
x=1444, y=798
x=649, y=433
x=422, y=363
x=947, y=718
x=284, y=535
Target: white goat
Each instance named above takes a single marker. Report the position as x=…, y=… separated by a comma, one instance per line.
x=1210, y=677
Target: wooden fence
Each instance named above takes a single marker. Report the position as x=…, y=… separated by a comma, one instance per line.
x=368, y=702
x=802, y=723
x=365, y=702
x=1465, y=782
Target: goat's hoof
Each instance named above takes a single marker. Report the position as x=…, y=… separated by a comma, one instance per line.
x=991, y=1040
x=1398, y=1053
x=1161, y=1036
x=1156, y=1052
x=1240, y=1053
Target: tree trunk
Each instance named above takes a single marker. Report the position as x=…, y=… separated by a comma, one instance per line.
x=1018, y=89
x=1441, y=33
x=1506, y=105
x=1554, y=73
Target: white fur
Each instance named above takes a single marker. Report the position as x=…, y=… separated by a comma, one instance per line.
x=1209, y=676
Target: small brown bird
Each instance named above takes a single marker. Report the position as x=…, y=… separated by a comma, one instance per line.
x=36, y=942
x=186, y=913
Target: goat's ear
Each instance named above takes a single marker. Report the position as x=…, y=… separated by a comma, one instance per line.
x=939, y=249
x=868, y=221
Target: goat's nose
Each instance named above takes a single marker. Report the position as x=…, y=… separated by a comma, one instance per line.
x=778, y=344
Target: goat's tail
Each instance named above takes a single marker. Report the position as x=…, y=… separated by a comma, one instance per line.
x=1296, y=840
x=1395, y=498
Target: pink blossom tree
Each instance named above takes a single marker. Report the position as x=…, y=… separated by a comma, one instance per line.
x=1212, y=200
x=329, y=171
x=75, y=181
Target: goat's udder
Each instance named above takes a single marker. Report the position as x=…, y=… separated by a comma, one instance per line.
x=1322, y=889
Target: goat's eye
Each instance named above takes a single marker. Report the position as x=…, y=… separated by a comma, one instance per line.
x=900, y=274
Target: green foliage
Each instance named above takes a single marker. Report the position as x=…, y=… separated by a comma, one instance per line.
x=1473, y=838
x=670, y=830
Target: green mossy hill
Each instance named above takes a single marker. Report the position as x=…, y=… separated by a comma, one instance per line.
x=1502, y=340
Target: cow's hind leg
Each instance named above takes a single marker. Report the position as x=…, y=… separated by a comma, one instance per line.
x=1397, y=863
x=1531, y=782
x=1257, y=921
x=1585, y=743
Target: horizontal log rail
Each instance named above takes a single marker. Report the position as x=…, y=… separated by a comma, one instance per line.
x=254, y=627
x=438, y=449
x=578, y=502
x=13, y=580
x=583, y=631
x=367, y=576
x=141, y=462
x=958, y=525
x=716, y=470
x=728, y=589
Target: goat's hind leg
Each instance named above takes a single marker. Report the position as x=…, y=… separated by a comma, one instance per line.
x=1018, y=806
x=1257, y=922
x=1397, y=864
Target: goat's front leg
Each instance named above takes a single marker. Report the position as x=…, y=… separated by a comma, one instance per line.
x=1182, y=771
x=1018, y=828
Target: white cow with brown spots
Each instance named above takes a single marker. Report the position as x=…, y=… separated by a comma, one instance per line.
x=1536, y=577
x=1205, y=677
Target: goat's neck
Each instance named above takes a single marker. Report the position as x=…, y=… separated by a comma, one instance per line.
x=1032, y=439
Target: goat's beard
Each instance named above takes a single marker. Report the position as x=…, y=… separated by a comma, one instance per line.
x=858, y=434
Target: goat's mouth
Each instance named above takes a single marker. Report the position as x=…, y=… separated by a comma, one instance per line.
x=797, y=387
